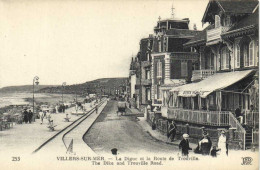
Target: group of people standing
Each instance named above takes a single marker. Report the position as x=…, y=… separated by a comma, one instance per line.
x=204, y=146
x=27, y=116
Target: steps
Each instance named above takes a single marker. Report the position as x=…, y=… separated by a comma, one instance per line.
x=248, y=137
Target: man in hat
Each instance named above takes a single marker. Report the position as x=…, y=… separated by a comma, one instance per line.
x=30, y=115
x=172, y=131
x=205, y=144
x=184, y=145
x=25, y=116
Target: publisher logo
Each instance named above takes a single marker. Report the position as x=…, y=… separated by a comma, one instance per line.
x=246, y=161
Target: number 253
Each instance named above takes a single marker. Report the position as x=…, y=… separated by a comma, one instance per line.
x=17, y=158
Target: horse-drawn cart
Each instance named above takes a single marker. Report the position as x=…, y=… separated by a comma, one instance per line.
x=121, y=106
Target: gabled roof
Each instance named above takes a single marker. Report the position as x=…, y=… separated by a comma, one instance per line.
x=246, y=24
x=235, y=7
x=200, y=38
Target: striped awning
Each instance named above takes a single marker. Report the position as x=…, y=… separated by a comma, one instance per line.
x=213, y=83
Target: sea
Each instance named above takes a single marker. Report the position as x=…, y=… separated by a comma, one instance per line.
x=7, y=99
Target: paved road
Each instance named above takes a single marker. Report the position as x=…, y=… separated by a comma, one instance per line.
x=124, y=133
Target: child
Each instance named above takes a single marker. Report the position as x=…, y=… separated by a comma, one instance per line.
x=214, y=151
x=184, y=145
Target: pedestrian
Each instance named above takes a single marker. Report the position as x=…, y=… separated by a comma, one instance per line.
x=30, y=116
x=222, y=143
x=172, y=131
x=205, y=144
x=41, y=114
x=184, y=145
x=214, y=151
x=25, y=116
x=96, y=108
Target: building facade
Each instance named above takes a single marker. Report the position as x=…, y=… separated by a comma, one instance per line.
x=225, y=82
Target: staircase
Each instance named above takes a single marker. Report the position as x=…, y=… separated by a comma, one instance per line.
x=248, y=137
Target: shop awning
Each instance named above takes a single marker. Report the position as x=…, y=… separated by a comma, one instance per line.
x=215, y=82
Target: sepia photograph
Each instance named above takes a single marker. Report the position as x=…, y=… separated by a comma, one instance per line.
x=113, y=84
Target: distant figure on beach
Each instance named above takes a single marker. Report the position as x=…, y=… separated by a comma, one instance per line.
x=57, y=108
x=30, y=116
x=25, y=116
x=41, y=114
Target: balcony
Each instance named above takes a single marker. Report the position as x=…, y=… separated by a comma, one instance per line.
x=146, y=82
x=213, y=118
x=146, y=63
x=214, y=35
x=198, y=75
x=185, y=56
x=252, y=118
x=157, y=101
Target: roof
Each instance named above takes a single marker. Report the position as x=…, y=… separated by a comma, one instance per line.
x=182, y=32
x=215, y=82
x=185, y=20
x=200, y=37
x=231, y=7
x=238, y=6
x=247, y=23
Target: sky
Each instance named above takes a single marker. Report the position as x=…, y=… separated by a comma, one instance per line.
x=77, y=41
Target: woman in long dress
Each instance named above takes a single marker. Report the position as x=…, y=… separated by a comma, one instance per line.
x=222, y=144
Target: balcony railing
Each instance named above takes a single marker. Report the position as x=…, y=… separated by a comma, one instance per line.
x=215, y=33
x=252, y=118
x=201, y=74
x=157, y=101
x=213, y=118
x=146, y=82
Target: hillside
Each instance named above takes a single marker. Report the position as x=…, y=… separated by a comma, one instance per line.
x=100, y=86
x=23, y=88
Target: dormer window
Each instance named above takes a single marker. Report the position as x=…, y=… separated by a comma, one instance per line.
x=217, y=21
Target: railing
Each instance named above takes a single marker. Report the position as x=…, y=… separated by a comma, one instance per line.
x=185, y=55
x=157, y=101
x=214, y=34
x=252, y=118
x=146, y=82
x=240, y=133
x=213, y=118
x=201, y=74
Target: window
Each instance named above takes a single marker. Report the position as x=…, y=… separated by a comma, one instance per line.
x=246, y=59
x=184, y=69
x=147, y=74
x=160, y=46
x=159, y=69
x=238, y=56
x=217, y=21
x=224, y=58
x=251, y=53
x=227, y=21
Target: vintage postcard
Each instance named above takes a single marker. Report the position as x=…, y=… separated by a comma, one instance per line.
x=127, y=84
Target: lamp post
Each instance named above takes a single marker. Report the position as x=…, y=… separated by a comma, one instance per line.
x=36, y=82
x=63, y=85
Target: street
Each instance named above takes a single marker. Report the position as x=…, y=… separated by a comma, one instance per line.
x=124, y=133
